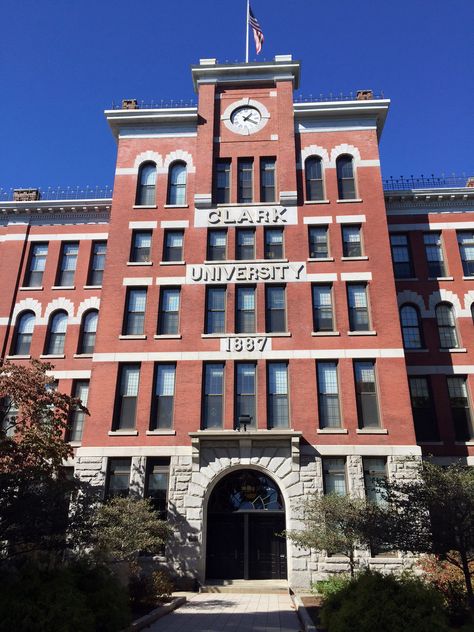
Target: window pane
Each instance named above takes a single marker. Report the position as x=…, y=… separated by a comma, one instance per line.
x=267, y=179
x=245, y=392
x=328, y=395
x=466, y=250
x=127, y=396
x=245, y=317
x=245, y=243
x=366, y=392
x=402, y=265
x=177, y=184
x=314, y=179
x=174, y=245
x=445, y=319
x=146, y=185
x=68, y=264
x=410, y=327
x=334, y=476
x=37, y=265
x=118, y=477
x=76, y=427
x=460, y=408
x=245, y=172
x=222, y=181
x=216, y=245
x=97, y=267
x=434, y=254
x=374, y=474
x=322, y=308
x=358, y=312
x=164, y=396
x=135, y=317
x=318, y=242
x=169, y=313
x=352, y=245
x=213, y=395
x=345, y=178
x=274, y=243
x=215, y=314
x=24, y=333
x=156, y=488
x=424, y=413
x=275, y=315
x=278, y=411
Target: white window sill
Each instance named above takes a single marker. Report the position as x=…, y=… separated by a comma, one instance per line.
x=362, y=333
x=445, y=278
x=317, y=201
x=35, y=288
x=417, y=350
x=332, y=431
x=172, y=263
x=132, y=337
x=18, y=357
x=63, y=287
x=139, y=263
x=167, y=336
x=151, y=433
x=92, y=287
x=123, y=433
x=465, y=278
x=360, y=258
x=320, y=259
x=82, y=355
x=455, y=350
x=348, y=201
x=325, y=333
x=144, y=206
x=75, y=444
x=464, y=442
x=372, y=431
x=176, y=206
x=53, y=356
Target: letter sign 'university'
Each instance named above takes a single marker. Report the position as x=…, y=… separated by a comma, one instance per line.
x=256, y=272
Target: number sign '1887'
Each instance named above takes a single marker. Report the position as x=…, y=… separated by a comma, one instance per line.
x=248, y=345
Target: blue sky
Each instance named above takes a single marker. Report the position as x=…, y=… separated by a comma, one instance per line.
x=62, y=62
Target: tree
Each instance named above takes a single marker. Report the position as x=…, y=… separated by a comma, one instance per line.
x=433, y=513
x=336, y=524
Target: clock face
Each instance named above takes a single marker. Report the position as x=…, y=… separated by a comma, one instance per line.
x=246, y=119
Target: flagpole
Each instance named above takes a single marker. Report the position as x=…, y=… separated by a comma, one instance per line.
x=247, y=34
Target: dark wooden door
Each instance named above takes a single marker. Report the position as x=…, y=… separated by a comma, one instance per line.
x=225, y=546
x=267, y=550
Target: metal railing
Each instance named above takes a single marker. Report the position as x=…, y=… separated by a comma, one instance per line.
x=61, y=193
x=157, y=105
x=351, y=96
x=404, y=183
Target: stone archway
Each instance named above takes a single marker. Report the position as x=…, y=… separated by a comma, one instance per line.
x=245, y=514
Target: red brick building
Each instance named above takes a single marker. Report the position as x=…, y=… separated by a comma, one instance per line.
x=231, y=315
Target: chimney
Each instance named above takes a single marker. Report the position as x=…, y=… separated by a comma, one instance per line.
x=26, y=195
x=129, y=104
x=364, y=95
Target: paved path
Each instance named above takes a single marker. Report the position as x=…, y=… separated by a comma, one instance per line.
x=227, y=612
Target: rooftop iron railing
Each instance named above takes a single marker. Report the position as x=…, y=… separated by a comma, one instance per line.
x=351, y=96
x=59, y=193
x=404, y=183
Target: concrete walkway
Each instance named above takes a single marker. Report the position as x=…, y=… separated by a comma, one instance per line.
x=211, y=612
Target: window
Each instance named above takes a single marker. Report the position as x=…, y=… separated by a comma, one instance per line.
x=424, y=412
x=163, y=400
x=314, y=179
x=24, y=333
x=168, y=320
x=375, y=471
x=78, y=416
x=245, y=244
x=88, y=332
x=216, y=245
x=445, y=319
x=36, y=266
x=118, y=478
x=134, y=320
x=334, y=476
x=366, y=394
x=273, y=243
x=402, y=265
x=358, y=308
x=222, y=181
x=213, y=400
x=57, y=334
x=322, y=308
x=215, y=310
x=276, y=311
x=411, y=327
x=328, y=395
x=277, y=389
x=141, y=246
x=146, y=189
x=245, y=183
x=173, y=250
x=351, y=241
x=318, y=242
x=245, y=391
x=97, y=265
x=466, y=250
x=156, y=485
x=67, y=268
x=460, y=408
x=345, y=178
x=8, y=416
x=177, y=184
x=127, y=394
x=267, y=179
x=245, y=322
x=434, y=255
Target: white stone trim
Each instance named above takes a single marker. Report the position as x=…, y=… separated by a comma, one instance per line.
x=468, y=301
x=356, y=276
x=441, y=369
x=126, y=171
x=89, y=303
x=322, y=277
x=322, y=219
x=432, y=226
x=367, y=450
x=181, y=156
x=132, y=451
x=143, y=225
x=350, y=219
x=70, y=375
x=61, y=303
x=27, y=304
x=170, y=280
x=137, y=281
x=343, y=149
x=54, y=237
x=148, y=156
x=179, y=223
x=413, y=298
x=314, y=150
x=445, y=296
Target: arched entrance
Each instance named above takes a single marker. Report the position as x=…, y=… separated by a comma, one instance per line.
x=245, y=514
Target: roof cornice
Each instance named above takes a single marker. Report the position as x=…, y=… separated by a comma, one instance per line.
x=117, y=119
x=42, y=207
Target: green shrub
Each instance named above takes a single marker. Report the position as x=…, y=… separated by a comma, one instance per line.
x=146, y=590
x=329, y=586
x=372, y=602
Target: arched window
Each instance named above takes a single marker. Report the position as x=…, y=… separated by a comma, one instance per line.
x=24, y=333
x=411, y=327
x=448, y=337
x=88, y=332
x=177, y=184
x=313, y=170
x=345, y=178
x=56, y=334
x=146, y=189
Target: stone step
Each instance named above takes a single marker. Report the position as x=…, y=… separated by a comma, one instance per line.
x=246, y=586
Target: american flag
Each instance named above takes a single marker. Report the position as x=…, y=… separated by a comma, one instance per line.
x=257, y=31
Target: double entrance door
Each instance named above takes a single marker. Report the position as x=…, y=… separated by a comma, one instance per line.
x=246, y=546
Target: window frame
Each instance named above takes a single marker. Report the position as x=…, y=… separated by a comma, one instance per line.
x=313, y=243
x=168, y=251
x=440, y=263
x=410, y=274
x=239, y=393
x=157, y=420
x=17, y=342
x=120, y=492
x=319, y=181
x=119, y=422
x=64, y=273
x=216, y=253
x=322, y=308
x=133, y=318
x=339, y=467
x=326, y=397
x=241, y=313
x=146, y=193
x=84, y=335
x=164, y=328
x=32, y=260
x=138, y=253
x=162, y=465
x=343, y=181
x=355, y=312
x=268, y=191
x=407, y=328
x=466, y=433
x=77, y=416
x=207, y=413
x=245, y=175
x=53, y=336
x=347, y=244
x=447, y=330
x=222, y=194
x=240, y=248
x=273, y=252
x=175, y=196
x=209, y=325
x=273, y=398
x=271, y=311
x=425, y=423
x=362, y=418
